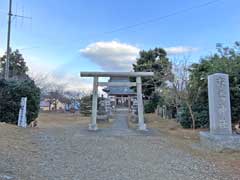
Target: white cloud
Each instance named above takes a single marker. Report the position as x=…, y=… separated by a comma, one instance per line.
x=45, y=71
x=2, y=51
x=112, y=55
x=178, y=50
x=69, y=82
x=36, y=64
x=46, y=74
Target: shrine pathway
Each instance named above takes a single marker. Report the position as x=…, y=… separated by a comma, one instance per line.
x=119, y=126
x=121, y=118
x=71, y=152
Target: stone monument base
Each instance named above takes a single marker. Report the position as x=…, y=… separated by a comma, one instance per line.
x=220, y=143
x=92, y=127
x=134, y=118
x=102, y=118
x=142, y=127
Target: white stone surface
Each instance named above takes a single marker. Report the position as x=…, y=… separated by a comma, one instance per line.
x=141, y=124
x=118, y=74
x=93, y=125
x=22, y=118
x=220, y=143
x=117, y=84
x=219, y=104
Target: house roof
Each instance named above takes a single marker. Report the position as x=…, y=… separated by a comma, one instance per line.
x=44, y=104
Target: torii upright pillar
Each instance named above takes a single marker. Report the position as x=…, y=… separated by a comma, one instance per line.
x=93, y=125
x=141, y=124
x=138, y=83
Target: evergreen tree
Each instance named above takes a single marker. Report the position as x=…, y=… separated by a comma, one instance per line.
x=154, y=61
x=227, y=61
x=86, y=105
x=17, y=65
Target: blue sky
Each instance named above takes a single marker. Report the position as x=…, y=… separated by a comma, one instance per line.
x=66, y=37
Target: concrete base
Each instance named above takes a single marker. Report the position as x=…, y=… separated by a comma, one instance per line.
x=220, y=143
x=92, y=127
x=102, y=118
x=134, y=118
x=142, y=127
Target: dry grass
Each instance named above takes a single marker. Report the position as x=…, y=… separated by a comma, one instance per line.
x=185, y=138
x=171, y=127
x=12, y=137
x=17, y=148
x=52, y=119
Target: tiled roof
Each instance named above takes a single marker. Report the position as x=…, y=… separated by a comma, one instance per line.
x=124, y=90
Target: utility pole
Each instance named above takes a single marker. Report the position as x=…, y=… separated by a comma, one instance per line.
x=6, y=75
x=10, y=14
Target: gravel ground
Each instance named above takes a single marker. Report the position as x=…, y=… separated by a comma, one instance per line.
x=73, y=153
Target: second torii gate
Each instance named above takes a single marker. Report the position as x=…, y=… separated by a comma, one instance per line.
x=138, y=83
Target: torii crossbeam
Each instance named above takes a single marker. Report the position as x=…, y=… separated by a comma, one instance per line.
x=138, y=83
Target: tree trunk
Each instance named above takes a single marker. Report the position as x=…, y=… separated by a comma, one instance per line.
x=55, y=106
x=49, y=107
x=177, y=110
x=192, y=115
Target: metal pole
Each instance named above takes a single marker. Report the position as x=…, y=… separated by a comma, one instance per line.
x=8, y=41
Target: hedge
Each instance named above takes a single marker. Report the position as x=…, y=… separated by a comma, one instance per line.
x=10, y=98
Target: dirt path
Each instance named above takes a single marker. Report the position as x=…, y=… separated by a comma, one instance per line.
x=121, y=118
x=71, y=152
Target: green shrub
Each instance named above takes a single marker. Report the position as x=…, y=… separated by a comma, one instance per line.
x=227, y=61
x=184, y=118
x=149, y=107
x=200, y=114
x=151, y=104
x=10, y=98
x=86, y=105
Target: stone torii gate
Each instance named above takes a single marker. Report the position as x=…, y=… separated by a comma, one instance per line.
x=138, y=83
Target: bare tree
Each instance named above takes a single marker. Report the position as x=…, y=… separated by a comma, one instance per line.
x=42, y=81
x=181, y=87
x=54, y=92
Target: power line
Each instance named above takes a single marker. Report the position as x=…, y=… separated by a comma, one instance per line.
x=162, y=17
x=182, y=11
x=156, y=19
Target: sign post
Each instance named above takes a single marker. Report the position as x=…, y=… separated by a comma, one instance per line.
x=22, y=119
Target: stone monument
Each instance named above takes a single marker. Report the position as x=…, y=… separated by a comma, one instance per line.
x=220, y=137
x=219, y=104
x=108, y=106
x=102, y=114
x=134, y=114
x=22, y=118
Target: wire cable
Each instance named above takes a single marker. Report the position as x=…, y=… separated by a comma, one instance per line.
x=162, y=17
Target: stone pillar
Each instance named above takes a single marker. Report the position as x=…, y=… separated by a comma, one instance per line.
x=219, y=104
x=93, y=125
x=22, y=118
x=115, y=103
x=129, y=103
x=141, y=124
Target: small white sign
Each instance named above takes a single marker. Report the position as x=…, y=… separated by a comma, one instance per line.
x=22, y=118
